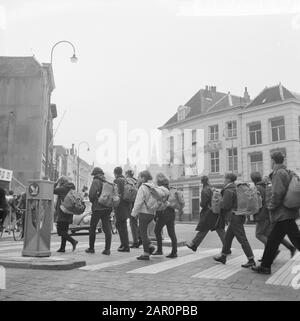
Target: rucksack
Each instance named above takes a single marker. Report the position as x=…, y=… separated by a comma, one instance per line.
x=176, y=199
x=109, y=196
x=73, y=203
x=158, y=200
x=216, y=201
x=130, y=190
x=249, y=200
x=292, y=196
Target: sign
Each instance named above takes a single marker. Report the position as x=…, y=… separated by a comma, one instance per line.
x=34, y=189
x=212, y=146
x=6, y=175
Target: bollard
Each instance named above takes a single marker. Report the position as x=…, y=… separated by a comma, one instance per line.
x=38, y=219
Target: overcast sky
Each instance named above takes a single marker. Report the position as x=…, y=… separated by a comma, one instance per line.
x=139, y=60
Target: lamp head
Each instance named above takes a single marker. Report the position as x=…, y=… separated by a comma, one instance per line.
x=74, y=59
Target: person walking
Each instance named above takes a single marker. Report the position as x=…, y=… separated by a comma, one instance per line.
x=144, y=214
x=262, y=218
x=61, y=188
x=136, y=237
x=122, y=211
x=283, y=218
x=98, y=212
x=165, y=217
x=3, y=207
x=208, y=220
x=236, y=223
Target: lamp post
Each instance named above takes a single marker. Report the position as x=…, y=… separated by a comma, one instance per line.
x=78, y=160
x=73, y=59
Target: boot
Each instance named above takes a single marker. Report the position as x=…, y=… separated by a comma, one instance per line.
x=261, y=269
x=221, y=258
x=250, y=263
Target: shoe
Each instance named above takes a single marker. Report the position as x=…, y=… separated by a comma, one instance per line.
x=250, y=263
x=260, y=269
x=293, y=252
x=74, y=245
x=151, y=249
x=221, y=258
x=260, y=260
x=123, y=249
x=90, y=251
x=120, y=247
x=192, y=247
x=158, y=253
x=143, y=257
x=172, y=256
x=134, y=246
x=106, y=252
x=61, y=250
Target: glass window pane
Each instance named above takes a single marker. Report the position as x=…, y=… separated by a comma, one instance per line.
x=252, y=138
x=281, y=133
x=274, y=134
x=258, y=137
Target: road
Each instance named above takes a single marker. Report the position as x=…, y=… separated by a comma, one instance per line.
x=192, y=276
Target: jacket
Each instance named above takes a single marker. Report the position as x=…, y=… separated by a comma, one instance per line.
x=95, y=191
x=62, y=191
x=263, y=213
x=168, y=212
x=142, y=197
x=123, y=210
x=229, y=201
x=280, y=182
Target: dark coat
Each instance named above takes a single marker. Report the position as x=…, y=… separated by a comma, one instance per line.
x=207, y=218
x=280, y=182
x=123, y=210
x=95, y=191
x=62, y=191
x=3, y=209
x=263, y=213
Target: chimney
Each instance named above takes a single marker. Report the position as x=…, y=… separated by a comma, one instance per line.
x=246, y=96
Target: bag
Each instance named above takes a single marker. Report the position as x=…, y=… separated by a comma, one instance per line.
x=248, y=200
x=176, y=199
x=216, y=201
x=292, y=197
x=158, y=200
x=130, y=190
x=109, y=196
x=73, y=203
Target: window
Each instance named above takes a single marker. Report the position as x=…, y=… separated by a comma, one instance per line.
x=182, y=151
x=278, y=130
x=231, y=129
x=255, y=134
x=214, y=162
x=194, y=135
x=195, y=192
x=256, y=163
x=232, y=159
x=194, y=147
x=172, y=149
x=214, y=132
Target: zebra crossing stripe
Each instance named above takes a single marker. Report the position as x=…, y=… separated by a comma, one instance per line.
x=96, y=267
x=224, y=271
x=284, y=275
x=170, y=264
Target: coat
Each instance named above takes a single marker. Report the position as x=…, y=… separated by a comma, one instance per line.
x=62, y=191
x=142, y=197
x=208, y=219
x=95, y=191
x=168, y=213
x=280, y=182
x=123, y=210
x=263, y=213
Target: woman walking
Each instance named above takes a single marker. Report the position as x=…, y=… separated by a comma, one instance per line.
x=62, y=188
x=165, y=217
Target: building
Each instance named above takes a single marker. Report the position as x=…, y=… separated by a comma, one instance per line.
x=215, y=133
x=26, y=118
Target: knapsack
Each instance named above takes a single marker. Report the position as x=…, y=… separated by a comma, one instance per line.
x=248, y=200
x=158, y=200
x=130, y=190
x=292, y=196
x=109, y=196
x=73, y=203
x=216, y=201
x=176, y=199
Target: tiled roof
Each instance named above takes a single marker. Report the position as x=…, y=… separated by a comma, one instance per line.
x=19, y=66
x=271, y=95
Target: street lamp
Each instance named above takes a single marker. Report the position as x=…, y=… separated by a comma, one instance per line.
x=78, y=160
x=73, y=59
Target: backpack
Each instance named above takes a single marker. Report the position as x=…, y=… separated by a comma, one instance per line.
x=158, y=200
x=249, y=200
x=176, y=199
x=216, y=201
x=109, y=196
x=130, y=190
x=73, y=203
x=292, y=196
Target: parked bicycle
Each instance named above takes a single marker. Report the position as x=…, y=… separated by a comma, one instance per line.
x=18, y=231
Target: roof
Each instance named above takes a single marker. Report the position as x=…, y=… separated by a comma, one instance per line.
x=19, y=67
x=205, y=102
x=273, y=94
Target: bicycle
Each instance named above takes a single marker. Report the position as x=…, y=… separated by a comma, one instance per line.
x=18, y=231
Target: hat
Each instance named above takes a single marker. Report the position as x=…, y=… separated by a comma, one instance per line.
x=96, y=171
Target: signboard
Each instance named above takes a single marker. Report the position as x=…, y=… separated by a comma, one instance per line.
x=6, y=175
x=34, y=189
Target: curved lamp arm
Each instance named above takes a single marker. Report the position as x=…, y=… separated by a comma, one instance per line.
x=73, y=58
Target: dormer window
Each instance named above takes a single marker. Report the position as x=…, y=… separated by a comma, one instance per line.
x=182, y=112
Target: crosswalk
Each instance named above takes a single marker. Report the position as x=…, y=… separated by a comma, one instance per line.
x=283, y=269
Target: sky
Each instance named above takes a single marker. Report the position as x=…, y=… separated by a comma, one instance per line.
x=138, y=60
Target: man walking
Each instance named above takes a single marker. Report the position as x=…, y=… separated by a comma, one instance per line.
x=236, y=223
x=284, y=219
x=208, y=219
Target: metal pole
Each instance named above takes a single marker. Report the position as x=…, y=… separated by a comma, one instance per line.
x=65, y=41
